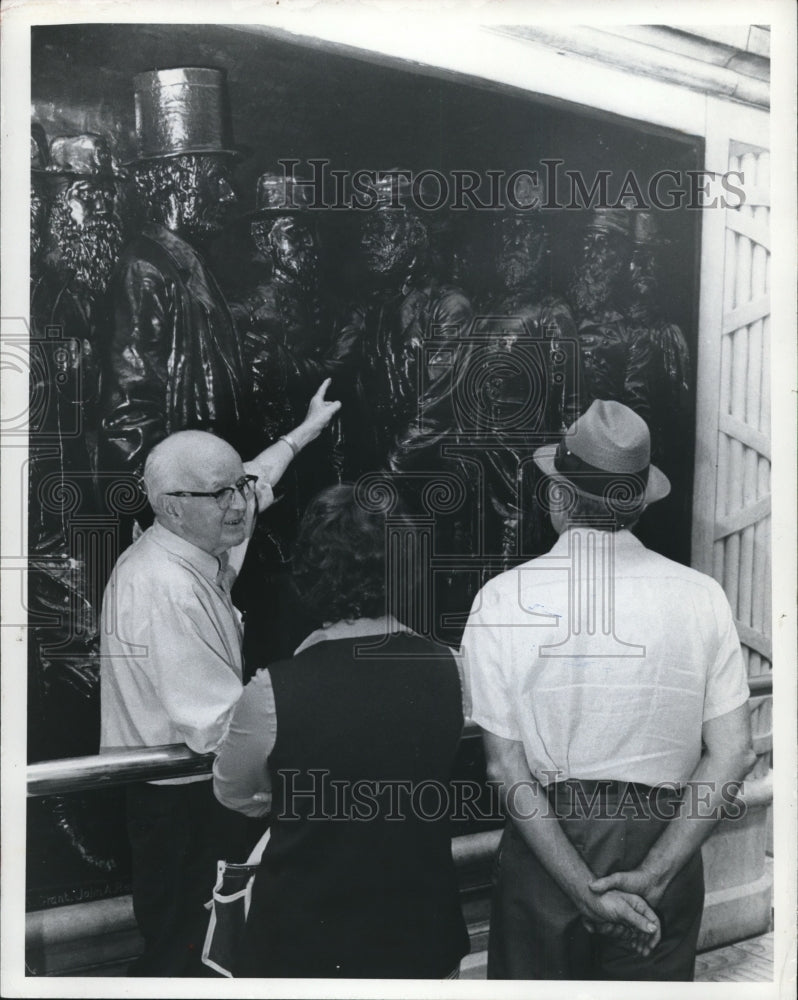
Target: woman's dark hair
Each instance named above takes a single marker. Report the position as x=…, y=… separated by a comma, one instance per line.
x=339, y=557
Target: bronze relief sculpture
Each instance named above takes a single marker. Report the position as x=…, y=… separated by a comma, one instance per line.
x=671, y=364
x=74, y=211
x=174, y=359
x=615, y=364
x=530, y=380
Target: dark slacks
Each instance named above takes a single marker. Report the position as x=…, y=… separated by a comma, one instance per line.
x=177, y=834
x=536, y=931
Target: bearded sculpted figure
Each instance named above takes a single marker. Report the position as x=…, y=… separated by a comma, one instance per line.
x=398, y=307
x=413, y=328
x=75, y=238
x=529, y=377
x=615, y=364
x=671, y=365
x=174, y=359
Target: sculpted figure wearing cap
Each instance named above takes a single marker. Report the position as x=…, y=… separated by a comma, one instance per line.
x=615, y=364
x=284, y=320
x=629, y=702
x=285, y=329
x=75, y=239
x=174, y=359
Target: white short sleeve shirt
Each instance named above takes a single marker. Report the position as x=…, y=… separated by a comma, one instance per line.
x=171, y=667
x=604, y=659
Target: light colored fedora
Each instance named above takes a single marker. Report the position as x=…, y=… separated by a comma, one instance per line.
x=606, y=453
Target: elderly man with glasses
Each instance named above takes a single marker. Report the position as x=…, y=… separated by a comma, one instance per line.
x=172, y=669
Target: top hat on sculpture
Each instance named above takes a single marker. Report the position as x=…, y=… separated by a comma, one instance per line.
x=280, y=194
x=181, y=112
x=606, y=454
x=87, y=155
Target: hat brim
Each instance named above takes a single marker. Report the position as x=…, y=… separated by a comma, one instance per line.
x=237, y=154
x=77, y=175
x=270, y=213
x=657, y=488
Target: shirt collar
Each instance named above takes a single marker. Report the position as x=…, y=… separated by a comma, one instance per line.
x=359, y=628
x=212, y=567
x=621, y=539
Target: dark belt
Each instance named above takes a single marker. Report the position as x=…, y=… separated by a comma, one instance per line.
x=609, y=790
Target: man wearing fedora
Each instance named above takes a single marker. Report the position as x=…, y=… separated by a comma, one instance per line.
x=174, y=360
x=611, y=691
x=615, y=364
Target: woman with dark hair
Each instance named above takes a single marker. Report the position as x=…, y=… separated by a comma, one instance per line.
x=350, y=745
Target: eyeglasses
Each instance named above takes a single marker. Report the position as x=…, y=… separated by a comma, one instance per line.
x=224, y=496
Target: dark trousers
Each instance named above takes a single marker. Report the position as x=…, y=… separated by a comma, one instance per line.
x=177, y=834
x=536, y=931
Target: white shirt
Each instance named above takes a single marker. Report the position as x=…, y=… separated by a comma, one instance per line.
x=604, y=659
x=171, y=668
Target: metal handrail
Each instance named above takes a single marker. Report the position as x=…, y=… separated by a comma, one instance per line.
x=107, y=770
x=123, y=767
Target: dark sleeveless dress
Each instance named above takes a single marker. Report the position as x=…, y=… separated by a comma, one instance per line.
x=358, y=879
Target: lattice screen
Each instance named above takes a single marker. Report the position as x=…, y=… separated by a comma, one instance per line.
x=741, y=549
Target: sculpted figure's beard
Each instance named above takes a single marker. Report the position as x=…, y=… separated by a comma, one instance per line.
x=593, y=286
x=36, y=245
x=90, y=251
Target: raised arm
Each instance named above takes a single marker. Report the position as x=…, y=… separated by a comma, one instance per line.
x=271, y=463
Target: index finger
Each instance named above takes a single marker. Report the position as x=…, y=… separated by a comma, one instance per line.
x=325, y=385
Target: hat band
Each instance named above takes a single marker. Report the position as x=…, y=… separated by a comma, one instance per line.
x=597, y=482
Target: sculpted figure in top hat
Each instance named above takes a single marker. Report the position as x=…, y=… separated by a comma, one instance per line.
x=174, y=360
x=615, y=364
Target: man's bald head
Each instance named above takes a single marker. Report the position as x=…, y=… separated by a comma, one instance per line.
x=185, y=460
x=195, y=465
